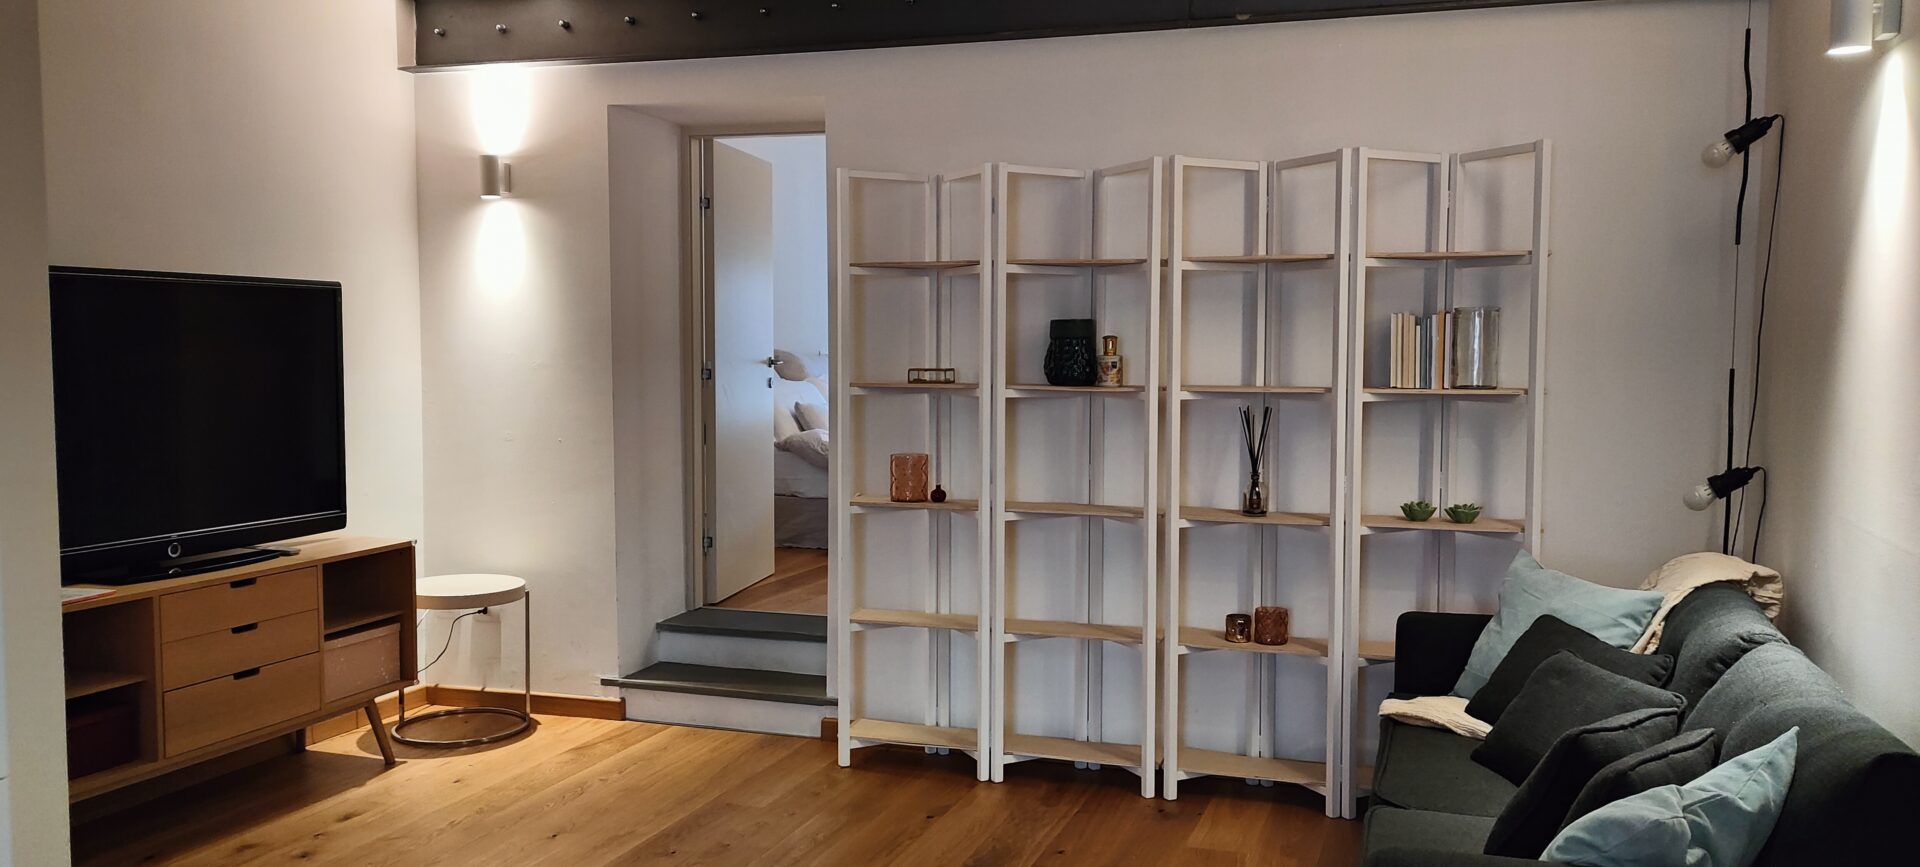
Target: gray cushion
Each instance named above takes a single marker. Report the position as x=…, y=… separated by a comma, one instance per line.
x=1392, y=828
x=1851, y=801
x=1538, y=811
x=1564, y=693
x=1547, y=636
x=1431, y=769
x=1708, y=632
x=1673, y=762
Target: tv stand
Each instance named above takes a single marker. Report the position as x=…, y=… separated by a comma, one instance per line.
x=181, y=567
x=169, y=673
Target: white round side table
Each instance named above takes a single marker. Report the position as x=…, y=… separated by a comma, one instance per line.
x=461, y=592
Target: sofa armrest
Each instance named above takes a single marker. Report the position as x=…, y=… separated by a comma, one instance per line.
x=1431, y=650
x=1402, y=857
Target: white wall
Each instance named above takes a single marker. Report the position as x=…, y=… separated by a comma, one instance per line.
x=800, y=303
x=1840, y=424
x=271, y=140
x=520, y=362
x=33, y=777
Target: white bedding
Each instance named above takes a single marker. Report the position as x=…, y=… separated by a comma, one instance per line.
x=794, y=477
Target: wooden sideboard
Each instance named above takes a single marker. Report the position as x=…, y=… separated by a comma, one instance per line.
x=169, y=673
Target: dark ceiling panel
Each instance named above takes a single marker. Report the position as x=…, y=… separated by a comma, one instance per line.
x=464, y=32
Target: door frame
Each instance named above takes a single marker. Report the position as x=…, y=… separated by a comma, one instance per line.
x=697, y=364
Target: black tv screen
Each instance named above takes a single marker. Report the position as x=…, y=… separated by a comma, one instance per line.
x=193, y=414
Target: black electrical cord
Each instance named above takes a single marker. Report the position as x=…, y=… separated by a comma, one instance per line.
x=450, y=626
x=1759, y=334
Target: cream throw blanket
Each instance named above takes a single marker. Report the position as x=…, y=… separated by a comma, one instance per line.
x=1680, y=576
x=1689, y=572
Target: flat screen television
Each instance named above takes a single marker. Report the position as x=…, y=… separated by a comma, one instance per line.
x=196, y=419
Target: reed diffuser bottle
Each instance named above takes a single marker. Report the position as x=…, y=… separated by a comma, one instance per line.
x=1254, y=503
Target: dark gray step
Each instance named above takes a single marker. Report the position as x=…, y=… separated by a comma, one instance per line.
x=749, y=624
x=751, y=683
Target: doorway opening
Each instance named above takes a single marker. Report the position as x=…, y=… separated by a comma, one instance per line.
x=762, y=209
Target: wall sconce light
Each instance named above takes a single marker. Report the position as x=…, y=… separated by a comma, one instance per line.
x=496, y=177
x=1853, y=29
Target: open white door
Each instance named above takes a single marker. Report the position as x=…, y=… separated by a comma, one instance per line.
x=742, y=220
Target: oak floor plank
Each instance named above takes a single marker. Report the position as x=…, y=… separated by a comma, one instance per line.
x=586, y=793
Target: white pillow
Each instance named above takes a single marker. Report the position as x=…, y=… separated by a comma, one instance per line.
x=812, y=416
x=784, y=424
x=809, y=446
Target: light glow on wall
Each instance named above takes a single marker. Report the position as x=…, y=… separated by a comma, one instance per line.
x=500, y=248
x=501, y=99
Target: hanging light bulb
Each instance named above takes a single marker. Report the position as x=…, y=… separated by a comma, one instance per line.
x=1737, y=140
x=1719, y=487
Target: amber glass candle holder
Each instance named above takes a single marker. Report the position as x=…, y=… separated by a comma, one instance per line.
x=1270, y=623
x=907, y=477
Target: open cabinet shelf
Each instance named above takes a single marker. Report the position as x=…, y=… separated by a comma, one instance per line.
x=1256, y=206
x=1085, y=241
x=1469, y=212
x=933, y=227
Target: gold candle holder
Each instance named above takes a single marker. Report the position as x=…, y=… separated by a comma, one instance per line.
x=1239, y=628
x=1270, y=623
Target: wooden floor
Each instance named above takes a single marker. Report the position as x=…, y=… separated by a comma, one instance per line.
x=591, y=792
x=798, y=584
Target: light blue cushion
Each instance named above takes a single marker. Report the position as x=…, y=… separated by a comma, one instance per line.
x=1613, y=615
x=1722, y=819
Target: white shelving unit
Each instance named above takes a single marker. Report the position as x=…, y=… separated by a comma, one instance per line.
x=1439, y=231
x=908, y=249
x=1073, y=243
x=1257, y=246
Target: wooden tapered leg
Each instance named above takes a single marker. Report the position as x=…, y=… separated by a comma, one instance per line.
x=380, y=735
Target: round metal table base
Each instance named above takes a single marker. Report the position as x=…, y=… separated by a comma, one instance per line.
x=526, y=722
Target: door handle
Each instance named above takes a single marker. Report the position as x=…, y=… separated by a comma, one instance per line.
x=773, y=361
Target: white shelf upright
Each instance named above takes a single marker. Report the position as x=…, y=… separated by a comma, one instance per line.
x=1486, y=216
x=1100, y=232
x=944, y=260
x=1244, y=199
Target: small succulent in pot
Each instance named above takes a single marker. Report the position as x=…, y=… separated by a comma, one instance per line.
x=1463, y=513
x=1417, y=510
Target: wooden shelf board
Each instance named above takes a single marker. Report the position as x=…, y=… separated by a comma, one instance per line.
x=915, y=386
x=1079, y=263
x=1086, y=510
x=1077, y=389
x=917, y=264
x=1444, y=392
x=1450, y=255
x=1439, y=524
x=1200, y=638
x=86, y=683
x=349, y=618
x=1070, y=750
x=1377, y=651
x=1210, y=515
x=951, y=505
x=1071, y=629
x=1256, y=389
x=1271, y=259
x=1221, y=764
x=912, y=734
x=928, y=620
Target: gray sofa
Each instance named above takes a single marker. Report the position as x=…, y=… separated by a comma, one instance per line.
x=1854, y=783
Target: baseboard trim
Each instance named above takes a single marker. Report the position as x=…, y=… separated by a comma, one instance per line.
x=549, y=703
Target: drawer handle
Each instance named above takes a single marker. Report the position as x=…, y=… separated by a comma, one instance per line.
x=244, y=582
x=245, y=627
x=243, y=675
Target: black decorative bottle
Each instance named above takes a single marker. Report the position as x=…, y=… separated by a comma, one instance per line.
x=1070, y=352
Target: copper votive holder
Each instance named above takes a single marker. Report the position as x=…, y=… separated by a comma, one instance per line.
x=907, y=477
x=1270, y=624
x=1239, y=628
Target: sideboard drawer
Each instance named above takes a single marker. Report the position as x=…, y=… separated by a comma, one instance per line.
x=249, y=645
x=210, y=712
x=224, y=606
